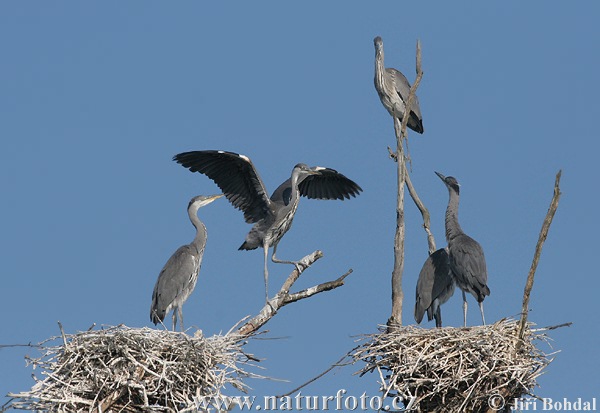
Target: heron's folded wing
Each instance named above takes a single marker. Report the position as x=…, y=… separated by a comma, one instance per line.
x=469, y=254
x=174, y=279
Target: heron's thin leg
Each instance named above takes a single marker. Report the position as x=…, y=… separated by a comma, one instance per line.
x=180, y=311
x=277, y=260
x=481, y=309
x=174, y=319
x=266, y=251
x=464, y=308
x=438, y=317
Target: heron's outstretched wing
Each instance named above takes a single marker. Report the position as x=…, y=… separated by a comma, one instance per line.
x=468, y=263
x=235, y=175
x=435, y=282
x=328, y=184
x=175, y=282
x=402, y=86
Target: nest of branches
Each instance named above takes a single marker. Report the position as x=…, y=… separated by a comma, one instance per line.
x=131, y=370
x=455, y=369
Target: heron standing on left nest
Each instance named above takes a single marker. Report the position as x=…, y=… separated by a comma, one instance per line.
x=178, y=277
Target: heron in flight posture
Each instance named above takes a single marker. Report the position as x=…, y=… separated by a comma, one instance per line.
x=272, y=217
x=467, y=261
x=434, y=287
x=178, y=277
x=393, y=90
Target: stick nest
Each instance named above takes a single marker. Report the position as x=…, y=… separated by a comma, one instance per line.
x=455, y=369
x=132, y=370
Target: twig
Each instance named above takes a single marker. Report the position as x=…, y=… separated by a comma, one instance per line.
x=283, y=297
x=569, y=324
x=538, y=252
x=334, y=365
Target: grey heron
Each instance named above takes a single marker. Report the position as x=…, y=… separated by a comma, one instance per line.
x=178, y=277
x=272, y=217
x=467, y=261
x=434, y=287
x=393, y=90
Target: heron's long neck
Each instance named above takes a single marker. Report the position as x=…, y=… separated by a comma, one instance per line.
x=295, y=191
x=200, y=239
x=379, y=69
x=453, y=228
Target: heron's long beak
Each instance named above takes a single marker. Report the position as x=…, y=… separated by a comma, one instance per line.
x=212, y=198
x=442, y=177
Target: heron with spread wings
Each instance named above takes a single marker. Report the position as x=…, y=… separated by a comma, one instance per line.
x=272, y=216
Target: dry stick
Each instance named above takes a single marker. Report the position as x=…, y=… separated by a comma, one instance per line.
x=424, y=213
x=400, y=130
x=283, y=297
x=536, y=256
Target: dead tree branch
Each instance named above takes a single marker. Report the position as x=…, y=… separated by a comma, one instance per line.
x=538, y=252
x=401, y=136
x=283, y=297
x=424, y=213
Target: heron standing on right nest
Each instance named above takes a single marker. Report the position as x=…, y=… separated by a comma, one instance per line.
x=467, y=261
x=393, y=90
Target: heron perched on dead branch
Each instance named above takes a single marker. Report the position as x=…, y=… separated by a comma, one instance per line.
x=393, y=90
x=178, y=277
x=272, y=217
x=467, y=261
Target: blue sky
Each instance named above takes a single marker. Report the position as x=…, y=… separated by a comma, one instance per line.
x=96, y=98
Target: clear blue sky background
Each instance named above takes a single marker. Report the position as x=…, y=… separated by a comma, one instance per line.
x=95, y=99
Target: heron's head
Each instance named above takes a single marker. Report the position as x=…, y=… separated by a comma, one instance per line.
x=199, y=201
x=302, y=170
x=378, y=43
x=450, y=182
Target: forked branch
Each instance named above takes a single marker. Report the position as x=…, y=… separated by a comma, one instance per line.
x=401, y=135
x=284, y=297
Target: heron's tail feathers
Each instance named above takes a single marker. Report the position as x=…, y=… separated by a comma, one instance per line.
x=415, y=123
x=157, y=315
x=247, y=246
x=485, y=290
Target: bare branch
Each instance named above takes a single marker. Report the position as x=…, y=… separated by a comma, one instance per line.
x=401, y=136
x=424, y=213
x=283, y=297
x=330, y=285
x=538, y=252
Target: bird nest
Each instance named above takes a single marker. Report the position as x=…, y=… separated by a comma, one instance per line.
x=133, y=369
x=455, y=369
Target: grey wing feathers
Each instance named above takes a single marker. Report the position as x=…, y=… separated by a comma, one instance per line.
x=402, y=86
x=173, y=281
x=235, y=175
x=435, y=282
x=466, y=251
x=400, y=81
x=328, y=184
